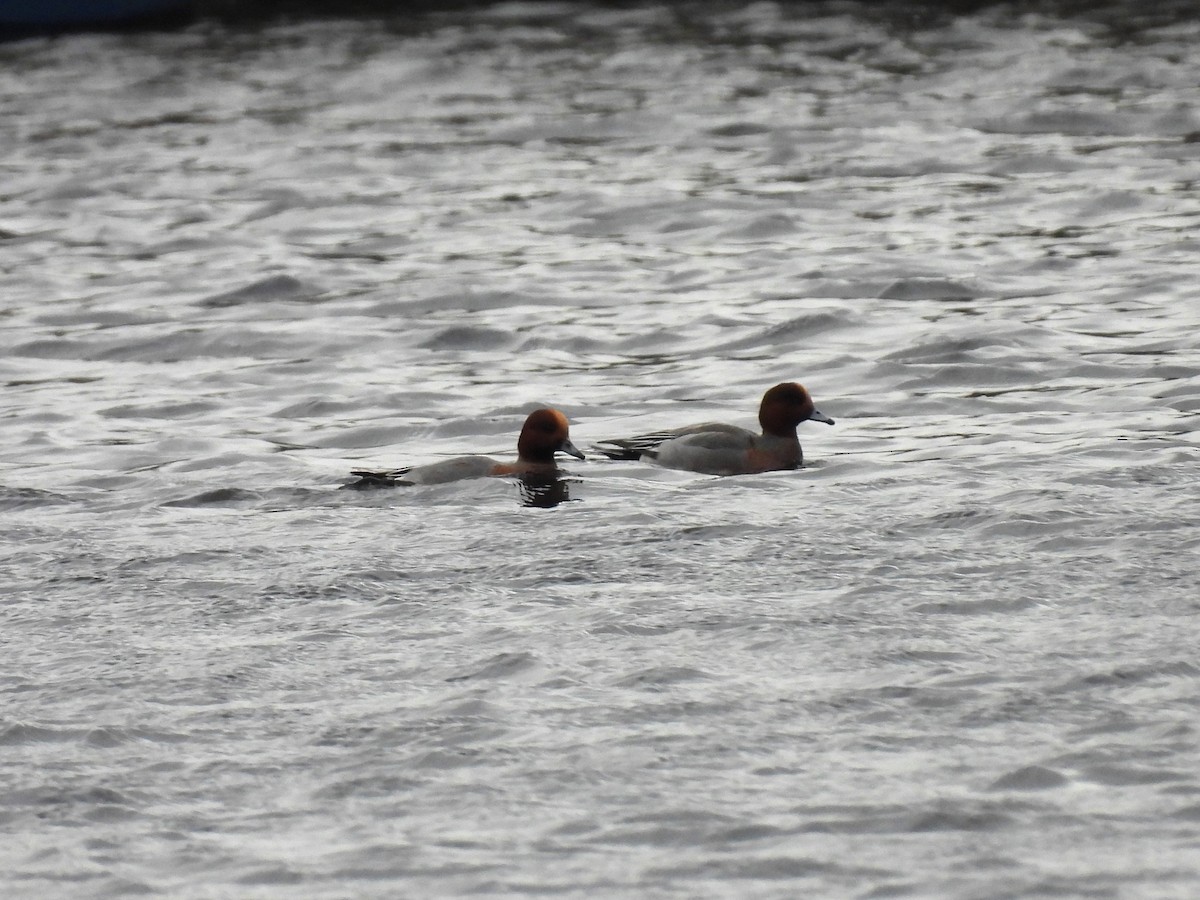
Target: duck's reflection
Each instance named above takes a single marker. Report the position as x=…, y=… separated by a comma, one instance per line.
x=543, y=491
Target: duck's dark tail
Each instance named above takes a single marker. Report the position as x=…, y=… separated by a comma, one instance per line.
x=368, y=480
x=617, y=450
x=635, y=447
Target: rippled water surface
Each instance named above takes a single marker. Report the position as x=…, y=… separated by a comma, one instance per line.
x=954, y=656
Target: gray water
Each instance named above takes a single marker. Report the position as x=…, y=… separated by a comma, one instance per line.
x=954, y=656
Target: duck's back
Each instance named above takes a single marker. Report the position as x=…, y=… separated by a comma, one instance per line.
x=636, y=447
x=434, y=473
x=729, y=452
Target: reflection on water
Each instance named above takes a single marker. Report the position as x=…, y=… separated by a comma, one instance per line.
x=543, y=491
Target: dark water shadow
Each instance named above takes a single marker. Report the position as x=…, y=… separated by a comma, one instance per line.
x=544, y=491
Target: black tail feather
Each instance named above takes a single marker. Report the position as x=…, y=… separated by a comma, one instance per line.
x=619, y=452
x=368, y=479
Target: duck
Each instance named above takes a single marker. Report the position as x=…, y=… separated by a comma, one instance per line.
x=545, y=433
x=714, y=448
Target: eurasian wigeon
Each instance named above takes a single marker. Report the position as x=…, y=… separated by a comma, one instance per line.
x=718, y=449
x=544, y=433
